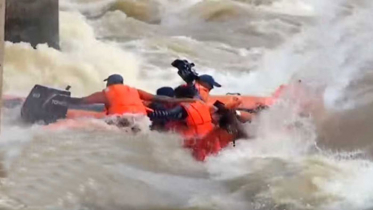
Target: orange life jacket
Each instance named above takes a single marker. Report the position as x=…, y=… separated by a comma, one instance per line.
x=198, y=122
x=123, y=99
x=212, y=143
x=203, y=92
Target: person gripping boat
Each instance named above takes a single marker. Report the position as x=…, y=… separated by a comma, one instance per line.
x=194, y=119
x=226, y=119
x=204, y=84
x=162, y=124
x=163, y=91
x=180, y=112
x=122, y=99
x=49, y=105
x=201, y=133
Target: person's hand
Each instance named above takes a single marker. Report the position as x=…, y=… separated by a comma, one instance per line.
x=261, y=107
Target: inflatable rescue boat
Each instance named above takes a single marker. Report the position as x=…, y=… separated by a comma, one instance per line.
x=46, y=104
x=49, y=106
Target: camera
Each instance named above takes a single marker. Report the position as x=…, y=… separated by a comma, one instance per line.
x=185, y=70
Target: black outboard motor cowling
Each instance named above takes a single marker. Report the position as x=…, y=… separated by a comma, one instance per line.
x=45, y=104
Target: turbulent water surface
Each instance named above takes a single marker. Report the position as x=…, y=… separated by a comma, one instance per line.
x=316, y=161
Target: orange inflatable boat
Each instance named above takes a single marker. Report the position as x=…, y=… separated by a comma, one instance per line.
x=49, y=105
x=45, y=104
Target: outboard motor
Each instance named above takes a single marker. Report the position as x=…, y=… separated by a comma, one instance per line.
x=45, y=104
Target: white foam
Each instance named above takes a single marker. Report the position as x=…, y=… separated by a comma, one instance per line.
x=83, y=63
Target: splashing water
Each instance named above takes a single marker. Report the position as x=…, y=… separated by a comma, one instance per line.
x=319, y=160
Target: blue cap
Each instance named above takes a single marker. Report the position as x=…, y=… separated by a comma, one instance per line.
x=114, y=79
x=209, y=80
x=166, y=91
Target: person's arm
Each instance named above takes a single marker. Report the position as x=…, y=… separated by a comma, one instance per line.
x=95, y=98
x=177, y=113
x=244, y=116
x=163, y=99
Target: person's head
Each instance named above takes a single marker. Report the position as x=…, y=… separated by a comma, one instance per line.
x=185, y=91
x=166, y=91
x=113, y=79
x=207, y=81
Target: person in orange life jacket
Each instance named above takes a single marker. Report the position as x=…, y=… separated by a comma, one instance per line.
x=121, y=99
x=162, y=124
x=196, y=116
x=196, y=119
x=228, y=129
x=163, y=91
x=204, y=84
